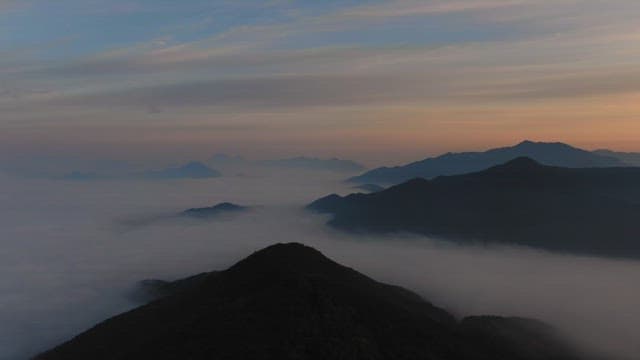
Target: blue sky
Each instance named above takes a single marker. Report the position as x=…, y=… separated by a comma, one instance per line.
x=330, y=78
x=77, y=28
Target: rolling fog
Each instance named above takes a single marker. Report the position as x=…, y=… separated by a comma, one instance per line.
x=71, y=252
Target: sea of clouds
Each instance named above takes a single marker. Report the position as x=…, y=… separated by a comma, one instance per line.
x=71, y=252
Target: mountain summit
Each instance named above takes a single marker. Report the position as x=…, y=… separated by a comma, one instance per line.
x=289, y=301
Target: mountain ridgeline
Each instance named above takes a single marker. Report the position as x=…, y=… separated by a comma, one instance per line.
x=554, y=154
x=289, y=301
x=578, y=210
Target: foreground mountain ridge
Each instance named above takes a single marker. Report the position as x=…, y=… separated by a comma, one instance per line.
x=288, y=301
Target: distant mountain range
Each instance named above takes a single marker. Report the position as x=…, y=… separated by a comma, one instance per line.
x=287, y=302
x=555, y=154
x=192, y=170
x=583, y=210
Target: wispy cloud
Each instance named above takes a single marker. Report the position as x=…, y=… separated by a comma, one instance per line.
x=421, y=8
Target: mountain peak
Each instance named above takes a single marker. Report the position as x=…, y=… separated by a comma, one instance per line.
x=289, y=301
x=227, y=206
x=287, y=249
x=530, y=143
x=285, y=257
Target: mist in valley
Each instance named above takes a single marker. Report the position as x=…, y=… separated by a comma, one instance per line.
x=73, y=251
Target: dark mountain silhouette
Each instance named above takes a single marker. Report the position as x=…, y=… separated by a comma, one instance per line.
x=192, y=170
x=555, y=154
x=588, y=210
x=315, y=164
x=288, y=301
x=630, y=158
x=212, y=211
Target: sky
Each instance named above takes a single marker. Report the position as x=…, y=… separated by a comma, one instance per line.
x=376, y=81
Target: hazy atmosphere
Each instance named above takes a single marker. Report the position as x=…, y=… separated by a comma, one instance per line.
x=484, y=154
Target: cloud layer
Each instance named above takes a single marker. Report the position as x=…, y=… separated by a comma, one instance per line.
x=73, y=250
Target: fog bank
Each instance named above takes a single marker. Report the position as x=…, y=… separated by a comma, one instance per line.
x=70, y=255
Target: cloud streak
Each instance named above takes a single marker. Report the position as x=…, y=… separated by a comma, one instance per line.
x=421, y=8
